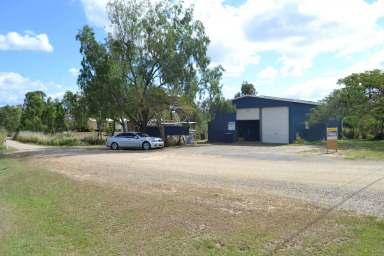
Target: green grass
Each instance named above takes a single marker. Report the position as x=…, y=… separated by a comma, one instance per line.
x=356, y=148
x=43, y=213
x=58, y=139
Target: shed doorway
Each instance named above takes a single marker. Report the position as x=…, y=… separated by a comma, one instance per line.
x=248, y=130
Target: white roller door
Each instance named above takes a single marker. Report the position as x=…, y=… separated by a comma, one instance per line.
x=248, y=114
x=275, y=125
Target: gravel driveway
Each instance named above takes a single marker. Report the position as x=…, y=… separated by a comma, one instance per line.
x=301, y=172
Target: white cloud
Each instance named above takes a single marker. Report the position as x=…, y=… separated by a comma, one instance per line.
x=28, y=41
x=14, y=86
x=297, y=30
x=74, y=72
x=313, y=89
x=95, y=11
x=268, y=73
x=319, y=87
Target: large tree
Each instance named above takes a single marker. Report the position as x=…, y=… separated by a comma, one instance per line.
x=41, y=114
x=160, y=52
x=33, y=109
x=95, y=76
x=76, y=112
x=10, y=118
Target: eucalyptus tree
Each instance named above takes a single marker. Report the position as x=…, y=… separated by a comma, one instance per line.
x=247, y=88
x=75, y=110
x=32, y=112
x=95, y=79
x=160, y=58
x=10, y=118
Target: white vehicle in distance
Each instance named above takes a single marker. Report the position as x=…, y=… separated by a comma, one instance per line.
x=134, y=140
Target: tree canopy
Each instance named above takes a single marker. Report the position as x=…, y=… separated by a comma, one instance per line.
x=155, y=57
x=360, y=104
x=246, y=89
x=10, y=118
x=40, y=113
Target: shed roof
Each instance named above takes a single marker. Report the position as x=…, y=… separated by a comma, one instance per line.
x=278, y=99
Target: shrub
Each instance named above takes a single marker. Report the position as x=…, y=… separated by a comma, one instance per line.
x=299, y=139
x=93, y=140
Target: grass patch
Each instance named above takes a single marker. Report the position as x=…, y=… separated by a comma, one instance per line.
x=356, y=149
x=58, y=139
x=44, y=213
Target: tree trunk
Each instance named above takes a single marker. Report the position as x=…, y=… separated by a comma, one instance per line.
x=123, y=124
x=98, y=125
x=114, y=127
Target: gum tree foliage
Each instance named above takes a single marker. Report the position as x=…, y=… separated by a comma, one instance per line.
x=154, y=59
x=360, y=103
x=10, y=118
x=41, y=114
x=33, y=108
x=94, y=77
x=76, y=112
x=246, y=89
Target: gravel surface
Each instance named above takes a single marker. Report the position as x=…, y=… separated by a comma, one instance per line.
x=301, y=172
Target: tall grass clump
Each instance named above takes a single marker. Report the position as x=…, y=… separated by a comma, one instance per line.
x=3, y=136
x=59, y=139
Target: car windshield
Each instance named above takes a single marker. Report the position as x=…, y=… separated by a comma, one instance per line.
x=141, y=134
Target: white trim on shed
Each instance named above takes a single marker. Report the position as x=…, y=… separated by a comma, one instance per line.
x=247, y=114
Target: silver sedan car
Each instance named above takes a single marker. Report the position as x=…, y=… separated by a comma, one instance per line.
x=134, y=140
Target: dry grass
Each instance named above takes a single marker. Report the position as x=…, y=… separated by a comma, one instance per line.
x=59, y=139
x=54, y=215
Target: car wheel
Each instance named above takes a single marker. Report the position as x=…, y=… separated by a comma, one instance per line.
x=114, y=146
x=146, y=146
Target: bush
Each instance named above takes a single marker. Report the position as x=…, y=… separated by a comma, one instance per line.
x=3, y=136
x=93, y=140
x=60, y=139
x=299, y=139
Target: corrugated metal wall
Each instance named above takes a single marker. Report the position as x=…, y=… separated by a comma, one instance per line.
x=217, y=128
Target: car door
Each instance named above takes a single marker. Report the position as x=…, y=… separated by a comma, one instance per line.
x=136, y=140
x=122, y=140
x=131, y=140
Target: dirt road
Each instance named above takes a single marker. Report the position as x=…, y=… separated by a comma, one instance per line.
x=297, y=172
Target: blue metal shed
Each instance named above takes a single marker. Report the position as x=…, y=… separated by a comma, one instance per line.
x=265, y=119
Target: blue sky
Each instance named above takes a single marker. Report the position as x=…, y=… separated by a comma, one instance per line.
x=287, y=48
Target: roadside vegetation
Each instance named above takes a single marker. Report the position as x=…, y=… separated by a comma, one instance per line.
x=58, y=139
x=44, y=213
x=353, y=148
x=359, y=104
x=362, y=149
x=3, y=136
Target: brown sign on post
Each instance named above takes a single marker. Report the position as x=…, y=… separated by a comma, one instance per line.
x=332, y=138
